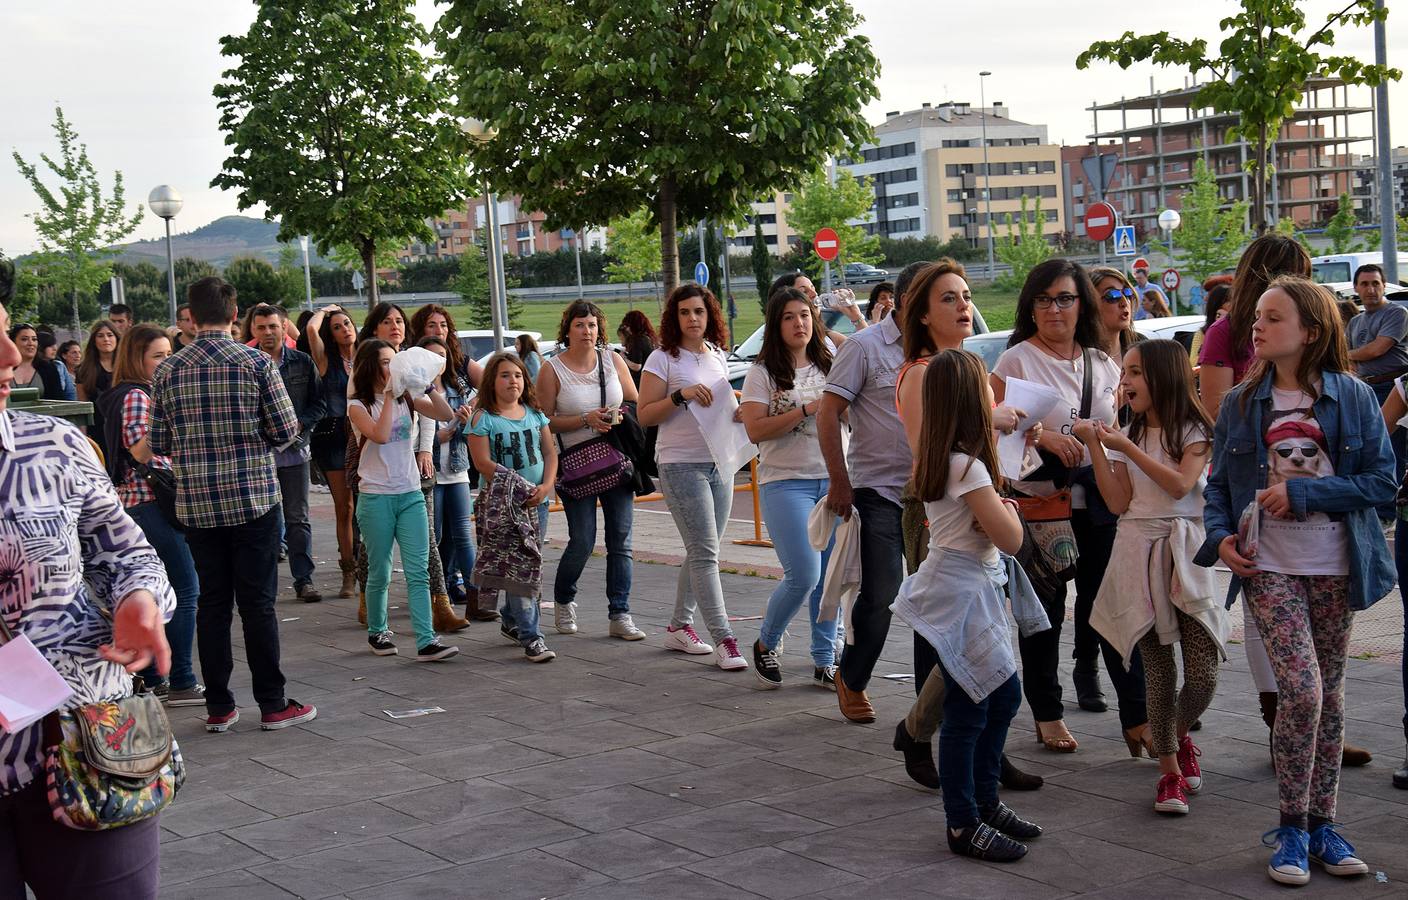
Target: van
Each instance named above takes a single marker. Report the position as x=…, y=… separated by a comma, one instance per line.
x=1341, y=266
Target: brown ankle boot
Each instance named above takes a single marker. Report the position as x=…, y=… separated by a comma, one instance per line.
x=1355, y=756
x=362, y=608
x=349, y=579
x=443, y=615
x=474, y=607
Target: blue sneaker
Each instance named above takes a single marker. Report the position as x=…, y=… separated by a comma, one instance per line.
x=1290, y=864
x=1335, y=853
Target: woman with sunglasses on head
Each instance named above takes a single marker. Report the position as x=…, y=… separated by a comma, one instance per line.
x=1056, y=343
x=1116, y=310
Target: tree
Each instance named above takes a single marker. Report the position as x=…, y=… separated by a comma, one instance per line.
x=75, y=225
x=1023, y=247
x=900, y=252
x=1340, y=228
x=256, y=282
x=336, y=126
x=1403, y=238
x=144, y=289
x=818, y=203
x=762, y=263
x=1210, y=238
x=471, y=282
x=1260, y=71
x=634, y=251
x=188, y=271
x=695, y=107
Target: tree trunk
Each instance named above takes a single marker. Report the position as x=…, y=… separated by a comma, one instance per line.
x=1259, y=182
x=368, y=250
x=669, y=249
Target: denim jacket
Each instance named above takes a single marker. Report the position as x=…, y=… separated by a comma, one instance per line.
x=457, y=395
x=305, y=390
x=1359, y=446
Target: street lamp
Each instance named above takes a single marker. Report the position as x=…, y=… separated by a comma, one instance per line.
x=307, y=273
x=1169, y=220
x=482, y=132
x=165, y=201
x=987, y=190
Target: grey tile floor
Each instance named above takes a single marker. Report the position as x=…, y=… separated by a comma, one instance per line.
x=621, y=770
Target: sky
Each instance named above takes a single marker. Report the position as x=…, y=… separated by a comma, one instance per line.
x=134, y=79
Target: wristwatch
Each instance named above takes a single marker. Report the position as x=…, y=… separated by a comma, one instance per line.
x=678, y=398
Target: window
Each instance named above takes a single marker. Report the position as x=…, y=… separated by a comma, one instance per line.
x=1048, y=190
x=956, y=170
x=1048, y=167
x=899, y=200
x=956, y=143
x=955, y=196
x=957, y=220
x=896, y=176
x=901, y=226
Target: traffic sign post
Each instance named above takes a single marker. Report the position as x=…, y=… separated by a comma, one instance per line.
x=1124, y=241
x=827, y=244
x=1100, y=224
x=701, y=273
x=1171, y=281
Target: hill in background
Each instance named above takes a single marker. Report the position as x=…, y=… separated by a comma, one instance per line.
x=217, y=243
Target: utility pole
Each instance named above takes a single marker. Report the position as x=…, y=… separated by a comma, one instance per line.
x=1388, y=212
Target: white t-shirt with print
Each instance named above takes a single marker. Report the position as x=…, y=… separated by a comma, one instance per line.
x=950, y=519
x=796, y=454
x=1320, y=544
x=679, y=439
x=1149, y=501
x=388, y=468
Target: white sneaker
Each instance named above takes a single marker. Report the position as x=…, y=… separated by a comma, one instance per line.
x=686, y=641
x=727, y=655
x=625, y=629
x=564, y=616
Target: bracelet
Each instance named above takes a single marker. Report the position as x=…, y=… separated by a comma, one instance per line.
x=678, y=398
x=584, y=420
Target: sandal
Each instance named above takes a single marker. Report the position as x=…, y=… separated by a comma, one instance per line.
x=1060, y=740
x=1140, y=742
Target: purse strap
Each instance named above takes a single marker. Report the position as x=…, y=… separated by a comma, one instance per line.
x=1085, y=386
x=601, y=375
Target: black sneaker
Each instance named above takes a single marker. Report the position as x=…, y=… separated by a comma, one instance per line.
x=381, y=644
x=985, y=842
x=537, y=651
x=824, y=677
x=766, y=667
x=435, y=651
x=509, y=633
x=1009, y=823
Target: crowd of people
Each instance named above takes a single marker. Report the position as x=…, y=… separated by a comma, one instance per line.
x=881, y=483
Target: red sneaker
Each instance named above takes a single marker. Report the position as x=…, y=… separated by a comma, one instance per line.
x=1188, y=754
x=1171, y=797
x=221, y=723
x=294, y=713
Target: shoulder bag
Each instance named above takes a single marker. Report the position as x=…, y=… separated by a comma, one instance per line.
x=596, y=465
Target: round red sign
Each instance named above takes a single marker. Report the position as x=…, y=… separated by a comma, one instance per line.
x=827, y=244
x=1099, y=221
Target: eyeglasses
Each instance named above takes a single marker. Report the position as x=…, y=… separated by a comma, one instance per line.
x=1116, y=295
x=1062, y=301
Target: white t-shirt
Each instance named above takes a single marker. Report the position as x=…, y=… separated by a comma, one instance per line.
x=950, y=519
x=1295, y=448
x=680, y=439
x=388, y=468
x=796, y=454
x=1149, y=501
x=1029, y=362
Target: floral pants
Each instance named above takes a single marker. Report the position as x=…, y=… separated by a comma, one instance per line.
x=1305, y=621
x=1173, y=711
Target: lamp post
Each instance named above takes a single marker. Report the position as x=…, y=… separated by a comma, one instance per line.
x=987, y=190
x=307, y=273
x=165, y=201
x=482, y=133
x=1169, y=220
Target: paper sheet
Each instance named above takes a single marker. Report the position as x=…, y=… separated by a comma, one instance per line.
x=727, y=440
x=1036, y=400
x=30, y=688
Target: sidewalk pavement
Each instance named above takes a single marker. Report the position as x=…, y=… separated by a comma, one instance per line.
x=623, y=771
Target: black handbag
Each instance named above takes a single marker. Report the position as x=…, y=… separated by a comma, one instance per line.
x=163, y=487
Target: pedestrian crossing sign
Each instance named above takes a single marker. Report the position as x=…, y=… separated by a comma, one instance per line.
x=1124, y=240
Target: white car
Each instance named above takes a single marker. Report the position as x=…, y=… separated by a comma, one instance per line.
x=479, y=343
x=990, y=346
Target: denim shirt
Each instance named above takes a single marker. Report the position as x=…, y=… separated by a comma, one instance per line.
x=301, y=381
x=1359, y=446
x=456, y=395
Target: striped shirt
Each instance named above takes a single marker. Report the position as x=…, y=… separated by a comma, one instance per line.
x=67, y=551
x=218, y=410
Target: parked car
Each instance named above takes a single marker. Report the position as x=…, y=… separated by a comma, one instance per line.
x=1344, y=290
x=1178, y=328
x=479, y=343
x=864, y=273
x=1340, y=267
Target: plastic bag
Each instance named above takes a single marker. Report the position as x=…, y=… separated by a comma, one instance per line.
x=414, y=370
x=1249, y=530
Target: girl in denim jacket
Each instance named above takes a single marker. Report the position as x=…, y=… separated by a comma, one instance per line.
x=1301, y=447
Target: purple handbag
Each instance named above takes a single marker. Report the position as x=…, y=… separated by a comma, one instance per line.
x=594, y=466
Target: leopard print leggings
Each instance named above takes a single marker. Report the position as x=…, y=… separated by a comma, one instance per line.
x=1173, y=711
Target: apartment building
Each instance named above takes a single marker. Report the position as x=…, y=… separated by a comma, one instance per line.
x=1159, y=136
x=928, y=173
x=521, y=232
x=771, y=213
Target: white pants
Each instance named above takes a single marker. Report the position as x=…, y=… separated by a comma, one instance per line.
x=1257, y=660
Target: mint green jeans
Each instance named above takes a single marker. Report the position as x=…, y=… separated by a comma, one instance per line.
x=384, y=518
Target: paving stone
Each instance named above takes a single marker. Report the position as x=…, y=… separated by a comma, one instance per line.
x=850, y=800
x=292, y=836
x=773, y=873
x=238, y=885
x=673, y=883
x=878, y=848
x=531, y=874
x=1066, y=860
x=613, y=807
x=728, y=829
x=481, y=837
x=321, y=791
x=348, y=868
x=1236, y=824
x=554, y=780
x=477, y=760
x=218, y=813
x=206, y=854
x=330, y=756
x=704, y=750
x=728, y=784
x=623, y=853
x=1157, y=886
x=593, y=737
x=457, y=800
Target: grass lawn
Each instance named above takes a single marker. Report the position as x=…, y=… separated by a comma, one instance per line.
x=998, y=309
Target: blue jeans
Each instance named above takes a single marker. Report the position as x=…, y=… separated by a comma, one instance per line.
x=618, y=507
x=881, y=570
x=699, y=499
x=170, y=545
x=522, y=612
x=297, y=531
x=398, y=518
x=454, y=530
x=786, y=507
x=1398, y=439
x=970, y=748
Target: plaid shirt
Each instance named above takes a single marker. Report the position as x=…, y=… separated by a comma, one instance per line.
x=136, y=413
x=218, y=410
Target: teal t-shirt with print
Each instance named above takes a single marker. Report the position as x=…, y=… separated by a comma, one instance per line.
x=514, y=443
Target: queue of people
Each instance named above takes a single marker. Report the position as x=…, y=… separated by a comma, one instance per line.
x=880, y=483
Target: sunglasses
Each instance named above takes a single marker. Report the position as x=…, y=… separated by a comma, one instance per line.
x=1061, y=301
x=1309, y=451
x=1117, y=295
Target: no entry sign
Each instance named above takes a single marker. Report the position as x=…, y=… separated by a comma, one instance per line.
x=827, y=244
x=1099, y=221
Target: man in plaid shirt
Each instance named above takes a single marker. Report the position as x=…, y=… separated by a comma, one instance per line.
x=219, y=409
